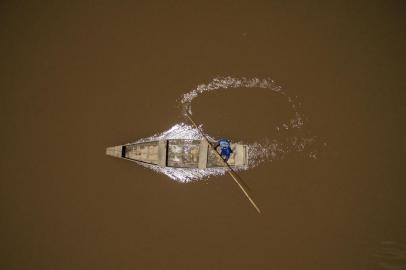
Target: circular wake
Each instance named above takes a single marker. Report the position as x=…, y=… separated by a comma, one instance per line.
x=292, y=137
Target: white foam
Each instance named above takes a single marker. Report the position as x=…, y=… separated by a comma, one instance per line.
x=178, y=131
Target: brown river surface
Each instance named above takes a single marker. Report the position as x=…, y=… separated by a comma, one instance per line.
x=78, y=77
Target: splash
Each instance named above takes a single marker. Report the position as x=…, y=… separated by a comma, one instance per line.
x=293, y=137
x=227, y=83
x=185, y=175
x=178, y=131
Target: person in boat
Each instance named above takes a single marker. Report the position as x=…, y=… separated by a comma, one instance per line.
x=225, y=148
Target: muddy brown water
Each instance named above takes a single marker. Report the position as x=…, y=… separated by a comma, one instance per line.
x=76, y=78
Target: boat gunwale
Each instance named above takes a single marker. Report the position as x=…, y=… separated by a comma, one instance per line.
x=167, y=152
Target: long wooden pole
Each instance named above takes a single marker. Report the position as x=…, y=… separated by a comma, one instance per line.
x=231, y=172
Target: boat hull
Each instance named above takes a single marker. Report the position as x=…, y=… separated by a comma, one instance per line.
x=179, y=153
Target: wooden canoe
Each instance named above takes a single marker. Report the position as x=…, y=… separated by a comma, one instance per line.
x=179, y=153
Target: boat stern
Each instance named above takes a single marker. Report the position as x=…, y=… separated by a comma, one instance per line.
x=115, y=151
